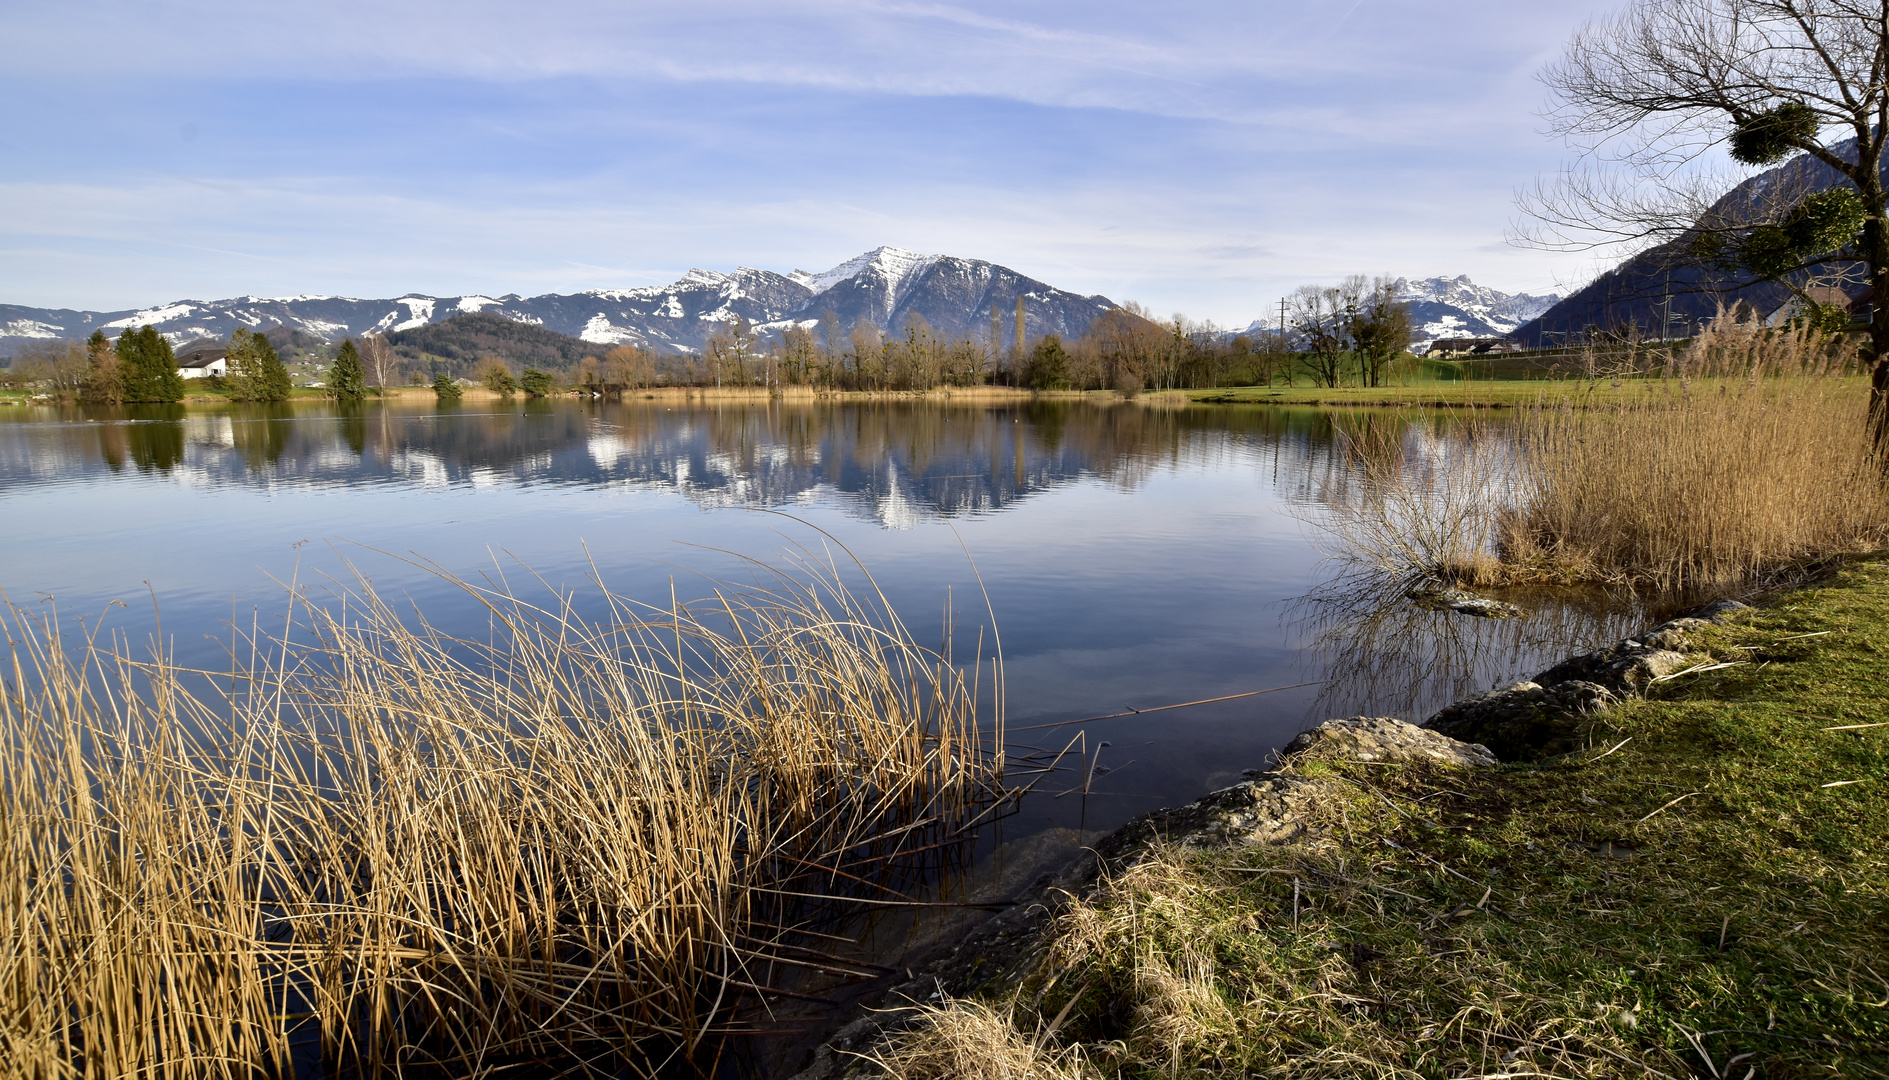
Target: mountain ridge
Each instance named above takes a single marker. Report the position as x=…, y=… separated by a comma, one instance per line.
x=1665, y=291
x=884, y=287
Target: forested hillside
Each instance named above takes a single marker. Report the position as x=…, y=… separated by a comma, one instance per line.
x=455, y=345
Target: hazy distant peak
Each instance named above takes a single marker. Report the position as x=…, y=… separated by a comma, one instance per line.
x=699, y=276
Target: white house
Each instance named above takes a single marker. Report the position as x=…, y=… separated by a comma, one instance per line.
x=202, y=358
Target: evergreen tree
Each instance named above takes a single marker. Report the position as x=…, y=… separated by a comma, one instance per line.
x=446, y=388
x=1048, y=368
x=149, y=366
x=535, y=382
x=245, y=367
x=256, y=372
x=346, y=379
x=276, y=385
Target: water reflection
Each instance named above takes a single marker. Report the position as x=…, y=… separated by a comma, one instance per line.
x=895, y=463
x=1183, y=589
x=1380, y=654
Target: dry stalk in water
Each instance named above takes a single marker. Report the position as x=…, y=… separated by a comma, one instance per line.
x=579, y=844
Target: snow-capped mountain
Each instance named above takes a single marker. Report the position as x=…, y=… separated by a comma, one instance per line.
x=1458, y=307
x=1443, y=307
x=883, y=287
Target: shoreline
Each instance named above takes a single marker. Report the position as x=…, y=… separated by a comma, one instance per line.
x=1358, y=793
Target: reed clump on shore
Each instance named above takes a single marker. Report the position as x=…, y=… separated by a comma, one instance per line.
x=597, y=846
x=1745, y=459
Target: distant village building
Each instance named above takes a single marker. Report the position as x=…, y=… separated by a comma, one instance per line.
x=1859, y=308
x=1463, y=346
x=202, y=358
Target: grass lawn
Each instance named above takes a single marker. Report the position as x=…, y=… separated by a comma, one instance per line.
x=1701, y=893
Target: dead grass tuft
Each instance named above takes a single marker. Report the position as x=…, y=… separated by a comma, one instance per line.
x=968, y=1040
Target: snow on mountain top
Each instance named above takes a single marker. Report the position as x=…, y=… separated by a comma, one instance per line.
x=152, y=316
x=896, y=265
x=1461, y=292
x=1453, y=307
x=699, y=276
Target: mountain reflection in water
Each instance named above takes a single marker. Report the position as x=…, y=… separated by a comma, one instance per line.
x=897, y=462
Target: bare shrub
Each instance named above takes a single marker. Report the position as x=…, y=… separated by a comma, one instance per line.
x=1415, y=503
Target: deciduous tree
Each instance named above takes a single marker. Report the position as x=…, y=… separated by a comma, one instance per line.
x=104, y=375
x=1380, y=330
x=494, y=374
x=379, y=362
x=1648, y=95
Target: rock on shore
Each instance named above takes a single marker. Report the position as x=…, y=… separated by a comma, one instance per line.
x=1542, y=717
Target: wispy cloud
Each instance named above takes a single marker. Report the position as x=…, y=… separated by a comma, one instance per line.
x=1196, y=155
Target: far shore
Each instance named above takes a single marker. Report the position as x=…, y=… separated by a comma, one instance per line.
x=1473, y=394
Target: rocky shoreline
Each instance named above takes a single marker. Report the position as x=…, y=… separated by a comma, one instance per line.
x=1526, y=721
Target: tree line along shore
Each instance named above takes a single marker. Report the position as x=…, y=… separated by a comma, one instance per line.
x=1352, y=334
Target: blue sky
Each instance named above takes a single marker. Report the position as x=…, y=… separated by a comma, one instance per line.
x=1200, y=157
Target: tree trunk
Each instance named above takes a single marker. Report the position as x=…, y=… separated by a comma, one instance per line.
x=1879, y=402
x=1876, y=257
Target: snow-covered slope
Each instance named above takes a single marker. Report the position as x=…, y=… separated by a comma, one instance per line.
x=884, y=287
x=1458, y=307
x=1443, y=307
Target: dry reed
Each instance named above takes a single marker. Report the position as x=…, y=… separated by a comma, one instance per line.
x=1746, y=459
x=1751, y=459
x=590, y=846
x=1413, y=502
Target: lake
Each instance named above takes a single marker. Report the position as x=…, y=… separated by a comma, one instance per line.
x=1134, y=555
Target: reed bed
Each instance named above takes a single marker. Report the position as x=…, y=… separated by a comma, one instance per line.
x=1746, y=459
x=590, y=846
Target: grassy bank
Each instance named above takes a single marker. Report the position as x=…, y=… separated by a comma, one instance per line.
x=1703, y=893
x=578, y=847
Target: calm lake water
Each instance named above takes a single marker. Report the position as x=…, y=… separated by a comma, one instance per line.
x=1134, y=556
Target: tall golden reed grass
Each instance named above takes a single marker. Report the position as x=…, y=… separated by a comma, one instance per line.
x=1748, y=459
x=597, y=847
x=1745, y=458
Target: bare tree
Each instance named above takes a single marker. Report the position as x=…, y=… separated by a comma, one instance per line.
x=626, y=367
x=868, y=349
x=1380, y=330
x=1131, y=346
x=1647, y=96
x=378, y=360
x=56, y=367
x=1322, y=316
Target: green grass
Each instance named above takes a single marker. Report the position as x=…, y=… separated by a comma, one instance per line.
x=1697, y=892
